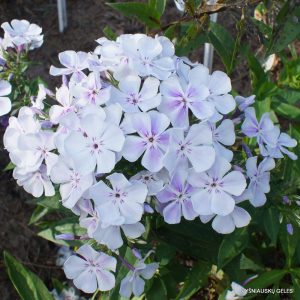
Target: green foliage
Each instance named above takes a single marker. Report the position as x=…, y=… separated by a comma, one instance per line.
x=232, y=245
x=67, y=225
x=271, y=223
x=27, y=284
x=158, y=5
x=146, y=13
x=224, y=44
x=196, y=279
x=109, y=33
x=192, y=238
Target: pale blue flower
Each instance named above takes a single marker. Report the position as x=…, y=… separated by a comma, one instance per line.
x=134, y=282
x=176, y=198
x=91, y=270
x=259, y=179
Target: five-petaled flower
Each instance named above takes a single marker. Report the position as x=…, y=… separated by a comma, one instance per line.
x=91, y=270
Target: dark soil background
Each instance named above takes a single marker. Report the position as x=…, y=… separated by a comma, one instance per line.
x=86, y=20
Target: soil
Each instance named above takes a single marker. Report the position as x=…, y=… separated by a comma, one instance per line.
x=86, y=20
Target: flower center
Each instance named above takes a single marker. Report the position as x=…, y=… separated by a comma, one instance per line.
x=213, y=185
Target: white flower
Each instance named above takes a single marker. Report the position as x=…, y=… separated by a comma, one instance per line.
x=238, y=292
x=219, y=86
x=153, y=181
x=41, y=96
x=216, y=189
x=5, y=103
x=111, y=235
x=180, y=4
x=38, y=147
x=151, y=142
x=222, y=135
x=72, y=183
x=25, y=123
x=243, y=102
x=63, y=253
x=90, y=221
x=283, y=141
x=150, y=56
x=67, y=104
x=179, y=97
x=73, y=62
x=238, y=218
x=35, y=183
x=121, y=204
x=134, y=281
x=91, y=91
x=91, y=270
x=194, y=147
x=263, y=130
x=259, y=179
x=21, y=32
x=95, y=145
x=133, y=98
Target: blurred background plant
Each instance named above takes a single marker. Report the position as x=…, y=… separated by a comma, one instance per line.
x=196, y=262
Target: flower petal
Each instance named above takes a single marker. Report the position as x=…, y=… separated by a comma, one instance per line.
x=201, y=201
x=133, y=148
x=86, y=281
x=234, y=183
x=105, y=279
x=172, y=213
x=223, y=224
x=222, y=203
x=240, y=217
x=153, y=159
x=74, y=266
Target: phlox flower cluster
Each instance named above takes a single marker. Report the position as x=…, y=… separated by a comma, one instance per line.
x=19, y=36
x=137, y=130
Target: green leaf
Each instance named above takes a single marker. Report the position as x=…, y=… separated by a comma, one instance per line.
x=286, y=110
x=196, y=279
x=288, y=32
x=223, y=42
x=265, y=29
x=192, y=238
x=157, y=291
x=50, y=202
x=158, y=5
x=68, y=225
x=9, y=167
x=109, y=33
x=164, y=253
x=258, y=74
x=296, y=287
x=248, y=264
x=28, y=285
x=142, y=11
x=289, y=244
x=37, y=214
x=191, y=38
x=57, y=285
x=266, y=279
x=271, y=223
x=232, y=245
x=291, y=96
